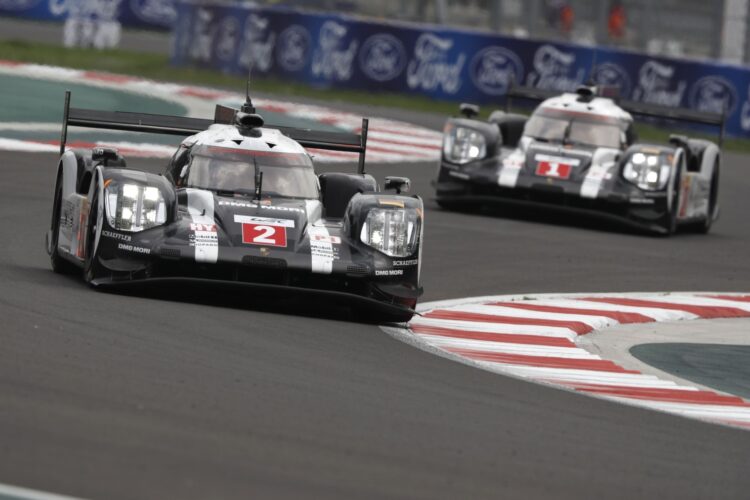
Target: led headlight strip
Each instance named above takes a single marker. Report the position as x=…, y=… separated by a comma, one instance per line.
x=133, y=207
x=648, y=171
x=394, y=232
x=462, y=145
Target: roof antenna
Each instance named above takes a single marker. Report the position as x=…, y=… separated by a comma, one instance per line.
x=248, y=106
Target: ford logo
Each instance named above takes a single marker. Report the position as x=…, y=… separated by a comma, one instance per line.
x=293, y=48
x=161, y=12
x=713, y=94
x=612, y=75
x=494, y=69
x=382, y=57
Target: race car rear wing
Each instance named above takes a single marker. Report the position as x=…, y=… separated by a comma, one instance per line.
x=633, y=107
x=184, y=126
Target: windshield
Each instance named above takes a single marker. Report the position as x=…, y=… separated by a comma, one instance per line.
x=234, y=171
x=575, y=128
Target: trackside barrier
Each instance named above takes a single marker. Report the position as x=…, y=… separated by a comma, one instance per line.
x=346, y=52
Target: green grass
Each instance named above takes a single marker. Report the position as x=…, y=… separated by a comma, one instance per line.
x=157, y=67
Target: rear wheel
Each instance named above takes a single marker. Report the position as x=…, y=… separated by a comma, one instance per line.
x=59, y=263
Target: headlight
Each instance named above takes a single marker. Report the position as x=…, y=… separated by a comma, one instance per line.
x=395, y=232
x=462, y=145
x=648, y=171
x=132, y=207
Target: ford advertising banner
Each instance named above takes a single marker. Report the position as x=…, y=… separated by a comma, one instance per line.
x=340, y=51
x=146, y=14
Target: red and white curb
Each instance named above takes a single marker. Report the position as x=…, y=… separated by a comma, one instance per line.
x=535, y=337
x=389, y=141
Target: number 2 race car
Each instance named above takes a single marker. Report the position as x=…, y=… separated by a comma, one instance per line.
x=578, y=151
x=239, y=204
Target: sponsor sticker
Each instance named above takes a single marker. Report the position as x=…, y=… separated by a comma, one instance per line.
x=334, y=240
x=132, y=248
x=389, y=272
x=263, y=230
x=116, y=236
x=553, y=169
x=402, y=263
x=197, y=226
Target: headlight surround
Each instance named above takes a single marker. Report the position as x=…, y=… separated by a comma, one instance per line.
x=648, y=171
x=395, y=232
x=133, y=207
x=462, y=145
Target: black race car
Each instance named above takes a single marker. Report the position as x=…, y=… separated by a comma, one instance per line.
x=239, y=204
x=578, y=151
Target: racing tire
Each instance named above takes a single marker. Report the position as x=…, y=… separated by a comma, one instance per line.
x=670, y=225
x=713, y=198
x=92, y=269
x=59, y=264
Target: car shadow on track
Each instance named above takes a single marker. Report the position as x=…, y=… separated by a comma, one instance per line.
x=235, y=297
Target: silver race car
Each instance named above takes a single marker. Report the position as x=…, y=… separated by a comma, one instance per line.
x=239, y=204
x=579, y=152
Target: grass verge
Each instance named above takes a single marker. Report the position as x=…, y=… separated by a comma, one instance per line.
x=157, y=67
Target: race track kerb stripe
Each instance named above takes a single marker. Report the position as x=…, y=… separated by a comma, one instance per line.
x=619, y=316
x=600, y=365
x=577, y=326
x=510, y=338
x=705, y=312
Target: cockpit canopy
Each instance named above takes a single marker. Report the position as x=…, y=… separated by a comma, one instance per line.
x=231, y=170
x=577, y=128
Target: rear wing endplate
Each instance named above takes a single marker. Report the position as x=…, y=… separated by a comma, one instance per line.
x=184, y=126
x=633, y=107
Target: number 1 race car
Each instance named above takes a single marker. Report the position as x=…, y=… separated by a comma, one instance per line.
x=239, y=204
x=578, y=151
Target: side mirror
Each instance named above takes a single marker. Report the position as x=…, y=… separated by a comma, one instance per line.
x=103, y=155
x=400, y=184
x=468, y=110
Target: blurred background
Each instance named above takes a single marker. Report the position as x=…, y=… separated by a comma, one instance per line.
x=408, y=54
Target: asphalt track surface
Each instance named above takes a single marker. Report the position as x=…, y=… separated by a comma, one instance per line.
x=113, y=396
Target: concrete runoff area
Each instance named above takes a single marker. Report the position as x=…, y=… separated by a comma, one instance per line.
x=711, y=354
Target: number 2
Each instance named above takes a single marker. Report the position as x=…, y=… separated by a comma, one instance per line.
x=266, y=235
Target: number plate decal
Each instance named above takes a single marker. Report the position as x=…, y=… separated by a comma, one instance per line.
x=258, y=234
x=263, y=230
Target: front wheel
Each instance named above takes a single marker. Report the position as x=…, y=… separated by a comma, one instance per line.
x=92, y=269
x=713, y=201
x=670, y=223
x=59, y=264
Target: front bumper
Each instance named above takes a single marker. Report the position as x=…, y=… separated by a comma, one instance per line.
x=625, y=205
x=349, y=282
